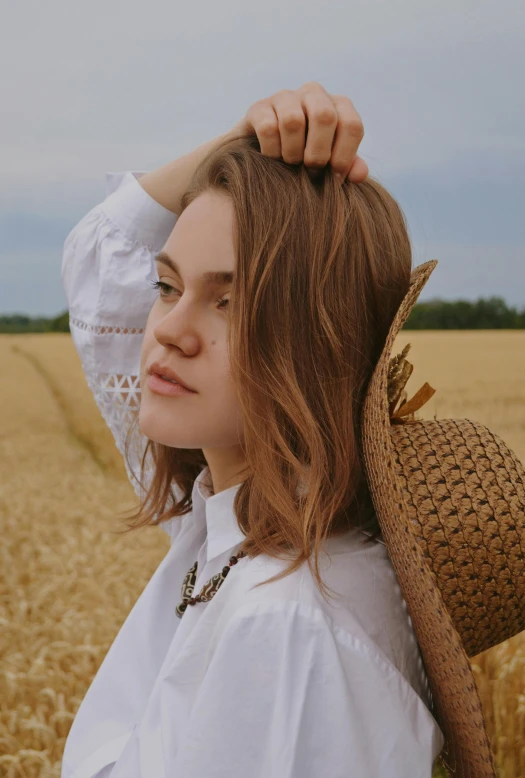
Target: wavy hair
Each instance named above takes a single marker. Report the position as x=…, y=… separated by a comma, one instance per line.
x=321, y=270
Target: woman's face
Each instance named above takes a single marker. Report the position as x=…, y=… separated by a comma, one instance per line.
x=187, y=331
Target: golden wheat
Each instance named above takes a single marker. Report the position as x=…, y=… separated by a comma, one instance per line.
x=68, y=580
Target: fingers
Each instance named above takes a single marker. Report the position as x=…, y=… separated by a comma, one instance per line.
x=292, y=125
x=348, y=135
x=261, y=115
x=322, y=124
x=358, y=172
x=310, y=125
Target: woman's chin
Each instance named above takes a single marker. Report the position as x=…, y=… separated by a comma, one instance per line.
x=155, y=430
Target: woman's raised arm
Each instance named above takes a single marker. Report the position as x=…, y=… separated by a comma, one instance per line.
x=167, y=184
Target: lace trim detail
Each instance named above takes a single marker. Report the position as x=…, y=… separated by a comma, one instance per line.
x=116, y=395
x=105, y=330
x=118, y=399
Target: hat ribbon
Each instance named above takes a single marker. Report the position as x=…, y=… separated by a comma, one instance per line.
x=399, y=371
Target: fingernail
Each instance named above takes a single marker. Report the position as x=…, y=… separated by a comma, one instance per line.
x=338, y=178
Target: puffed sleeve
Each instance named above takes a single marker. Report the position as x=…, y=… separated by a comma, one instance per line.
x=107, y=264
x=287, y=694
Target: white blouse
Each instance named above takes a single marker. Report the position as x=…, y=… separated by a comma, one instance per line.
x=267, y=683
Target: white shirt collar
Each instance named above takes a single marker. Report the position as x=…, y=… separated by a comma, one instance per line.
x=214, y=512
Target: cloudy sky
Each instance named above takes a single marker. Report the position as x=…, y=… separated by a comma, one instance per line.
x=111, y=86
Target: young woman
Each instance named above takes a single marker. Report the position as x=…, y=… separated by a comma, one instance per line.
x=273, y=640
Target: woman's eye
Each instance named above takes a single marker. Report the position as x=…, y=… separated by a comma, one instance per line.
x=165, y=290
x=161, y=288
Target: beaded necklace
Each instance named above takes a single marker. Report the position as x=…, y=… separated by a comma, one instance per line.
x=209, y=590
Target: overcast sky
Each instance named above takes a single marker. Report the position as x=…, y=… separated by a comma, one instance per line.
x=111, y=86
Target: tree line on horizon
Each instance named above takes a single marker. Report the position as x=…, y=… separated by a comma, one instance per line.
x=491, y=313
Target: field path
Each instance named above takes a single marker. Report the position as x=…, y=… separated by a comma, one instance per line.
x=67, y=580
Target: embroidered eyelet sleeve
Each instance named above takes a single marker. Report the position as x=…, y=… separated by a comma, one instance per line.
x=107, y=264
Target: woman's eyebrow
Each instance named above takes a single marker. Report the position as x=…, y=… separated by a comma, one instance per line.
x=217, y=277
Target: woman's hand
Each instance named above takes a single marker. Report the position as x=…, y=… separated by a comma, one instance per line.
x=310, y=125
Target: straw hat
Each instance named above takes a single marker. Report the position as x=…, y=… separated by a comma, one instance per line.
x=450, y=500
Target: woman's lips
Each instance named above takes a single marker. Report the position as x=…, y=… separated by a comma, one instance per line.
x=160, y=385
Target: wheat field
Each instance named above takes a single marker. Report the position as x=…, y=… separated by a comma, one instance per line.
x=68, y=580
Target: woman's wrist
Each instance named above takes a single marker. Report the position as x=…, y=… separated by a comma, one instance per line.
x=168, y=183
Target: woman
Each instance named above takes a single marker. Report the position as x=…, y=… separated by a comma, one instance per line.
x=234, y=391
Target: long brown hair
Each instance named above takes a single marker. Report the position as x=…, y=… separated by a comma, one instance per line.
x=321, y=270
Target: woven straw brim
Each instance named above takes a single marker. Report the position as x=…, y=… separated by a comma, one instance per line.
x=457, y=707
x=465, y=493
